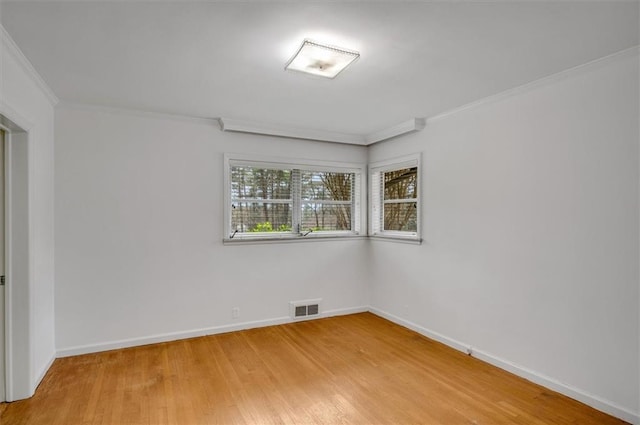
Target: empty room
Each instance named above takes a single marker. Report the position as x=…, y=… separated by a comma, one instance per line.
x=319, y=212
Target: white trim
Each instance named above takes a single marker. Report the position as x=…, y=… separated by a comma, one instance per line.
x=550, y=79
x=166, y=337
x=240, y=126
x=344, y=311
x=8, y=323
x=226, y=197
x=228, y=124
x=137, y=113
x=385, y=237
x=17, y=54
x=4, y=145
x=282, y=162
x=421, y=330
x=174, y=336
x=521, y=371
x=17, y=119
x=317, y=237
x=403, y=161
x=411, y=126
x=17, y=388
x=43, y=372
x=30, y=234
x=555, y=385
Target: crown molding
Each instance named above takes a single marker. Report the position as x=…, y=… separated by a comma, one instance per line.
x=550, y=79
x=10, y=46
x=12, y=119
x=414, y=124
x=135, y=112
x=239, y=126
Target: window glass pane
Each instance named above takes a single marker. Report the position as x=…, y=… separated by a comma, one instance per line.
x=401, y=216
x=321, y=217
x=288, y=200
x=260, y=183
x=261, y=217
x=401, y=184
x=318, y=185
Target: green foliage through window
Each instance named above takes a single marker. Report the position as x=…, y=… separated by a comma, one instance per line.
x=268, y=227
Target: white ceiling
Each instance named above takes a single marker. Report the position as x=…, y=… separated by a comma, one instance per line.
x=226, y=59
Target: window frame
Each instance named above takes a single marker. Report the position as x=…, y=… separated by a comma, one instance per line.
x=359, y=203
x=376, y=200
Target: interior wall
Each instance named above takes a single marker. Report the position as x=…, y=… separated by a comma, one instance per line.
x=530, y=218
x=139, y=219
x=26, y=101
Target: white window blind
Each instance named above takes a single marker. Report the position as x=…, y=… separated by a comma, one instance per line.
x=376, y=201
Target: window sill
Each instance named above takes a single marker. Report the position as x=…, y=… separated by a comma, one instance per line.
x=397, y=239
x=290, y=239
x=318, y=238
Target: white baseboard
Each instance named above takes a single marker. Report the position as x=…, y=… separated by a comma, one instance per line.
x=533, y=376
x=345, y=311
x=42, y=373
x=174, y=336
x=423, y=331
x=555, y=385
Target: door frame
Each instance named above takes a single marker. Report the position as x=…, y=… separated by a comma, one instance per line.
x=19, y=344
x=4, y=138
x=5, y=134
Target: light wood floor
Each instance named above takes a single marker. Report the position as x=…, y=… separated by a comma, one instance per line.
x=357, y=369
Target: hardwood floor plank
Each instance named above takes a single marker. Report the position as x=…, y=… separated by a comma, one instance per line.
x=356, y=369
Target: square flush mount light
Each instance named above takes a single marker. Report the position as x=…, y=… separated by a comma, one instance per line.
x=319, y=59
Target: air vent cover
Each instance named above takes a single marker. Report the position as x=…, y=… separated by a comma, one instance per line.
x=304, y=309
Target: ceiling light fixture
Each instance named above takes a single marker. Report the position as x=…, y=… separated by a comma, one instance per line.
x=322, y=60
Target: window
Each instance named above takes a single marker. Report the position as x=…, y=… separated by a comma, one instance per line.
x=395, y=198
x=268, y=199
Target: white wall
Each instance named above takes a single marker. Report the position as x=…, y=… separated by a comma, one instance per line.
x=139, y=219
x=28, y=102
x=530, y=219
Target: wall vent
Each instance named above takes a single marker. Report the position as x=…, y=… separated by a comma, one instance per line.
x=304, y=309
